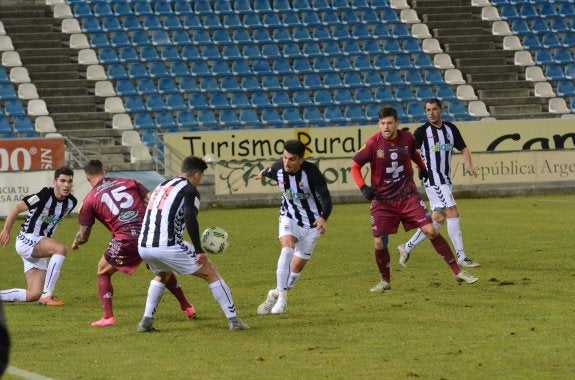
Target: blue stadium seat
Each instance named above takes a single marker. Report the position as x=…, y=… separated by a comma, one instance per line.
x=565, y=88
x=457, y=109
x=539, y=26
x=383, y=95
x=125, y=87
x=444, y=92
x=131, y=23
x=151, y=22
x=566, y=10
x=570, y=71
x=370, y=17
x=291, y=83
x=231, y=52
x=188, y=85
x=241, y=68
x=192, y=21
x=389, y=16
x=240, y=100
x=528, y=11
x=291, y=50
x=550, y=41
x=186, y=119
x=201, y=37
x=333, y=115
x=352, y=48
x=352, y=80
x=111, y=24
x=271, y=20
x=331, y=48
x=149, y=54
x=170, y=53
x=341, y=33
x=302, y=66
x=212, y=22
x=363, y=96
x=543, y=57
x=155, y=103
x=290, y=19
x=271, y=51
x=371, y=47
x=312, y=82
x=90, y=25
x=291, y=116
x=179, y=69
x=82, y=10
x=411, y=46
x=281, y=6
x=116, y=71
x=229, y=118
x=372, y=113
x=140, y=38
x=262, y=6
x=433, y=76
x=160, y=38
x=261, y=36
x=392, y=77
x=271, y=83
x=330, y=18
x=531, y=42
x=172, y=22
x=301, y=5
x=120, y=39
x=520, y=27
x=251, y=52
x=422, y=61
x=372, y=79
x=181, y=38
x=271, y=117
x=321, y=33
x=558, y=25
x=322, y=98
x=321, y=5
x=360, y=32
x=209, y=85
x=400, y=30
x=143, y=120
x=3, y=76
x=251, y=20
x=232, y=22
x=134, y=104
x=424, y=92
x=210, y=52
x=568, y=40
x=175, y=102
x=380, y=31
x=353, y=114
x=122, y=9
x=206, y=118
x=165, y=120
x=220, y=68
x=242, y=6
x=340, y=4
x=250, y=83
x=415, y=111
x=99, y=40
x=230, y=84
x=548, y=11
x=221, y=37
x=402, y=62
x=167, y=86
x=508, y=12
x=321, y=65
x=391, y=46
x=203, y=7
x=342, y=97
x=146, y=87
x=554, y=72
x=404, y=93
x=332, y=80
x=280, y=99
x=158, y=70
x=312, y=115
x=162, y=8
x=310, y=19
x=281, y=66
x=249, y=117
x=342, y=64
x=143, y=9
x=108, y=55
x=382, y=63
x=301, y=34
x=260, y=100
x=5, y=128
x=222, y=7
x=219, y=101
x=22, y=125
x=301, y=99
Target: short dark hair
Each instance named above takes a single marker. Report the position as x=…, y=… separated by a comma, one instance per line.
x=387, y=111
x=295, y=147
x=435, y=101
x=192, y=164
x=94, y=167
x=64, y=170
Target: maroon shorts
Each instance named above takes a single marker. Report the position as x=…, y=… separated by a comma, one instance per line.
x=123, y=255
x=386, y=215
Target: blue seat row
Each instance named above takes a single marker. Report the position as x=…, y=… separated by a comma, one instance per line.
x=17, y=126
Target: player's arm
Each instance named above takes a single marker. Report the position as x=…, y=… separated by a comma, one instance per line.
x=469, y=168
x=319, y=183
x=82, y=237
x=269, y=172
x=19, y=208
x=366, y=190
x=192, y=226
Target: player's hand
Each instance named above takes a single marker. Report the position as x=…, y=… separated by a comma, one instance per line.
x=423, y=174
x=201, y=258
x=367, y=192
x=320, y=225
x=471, y=171
x=4, y=238
x=75, y=245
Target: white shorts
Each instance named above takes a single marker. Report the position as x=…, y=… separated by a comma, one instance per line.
x=25, y=244
x=305, y=237
x=440, y=197
x=180, y=259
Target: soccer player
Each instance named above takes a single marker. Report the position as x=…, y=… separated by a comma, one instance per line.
x=436, y=140
x=42, y=255
x=119, y=204
x=173, y=206
x=305, y=207
x=393, y=194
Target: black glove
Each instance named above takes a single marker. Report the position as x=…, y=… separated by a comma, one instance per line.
x=367, y=192
x=423, y=174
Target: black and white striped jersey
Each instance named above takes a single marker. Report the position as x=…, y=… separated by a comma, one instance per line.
x=45, y=211
x=173, y=205
x=436, y=146
x=305, y=196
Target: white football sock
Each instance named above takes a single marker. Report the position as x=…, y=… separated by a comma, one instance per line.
x=283, y=269
x=454, y=231
x=223, y=295
x=52, y=274
x=155, y=292
x=13, y=295
x=293, y=276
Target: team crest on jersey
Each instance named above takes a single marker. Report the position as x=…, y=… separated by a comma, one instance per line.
x=127, y=216
x=33, y=200
x=380, y=153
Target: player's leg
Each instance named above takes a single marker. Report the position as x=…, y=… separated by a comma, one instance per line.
x=48, y=247
x=155, y=292
x=34, y=273
x=382, y=260
x=174, y=287
x=105, y=293
x=454, y=231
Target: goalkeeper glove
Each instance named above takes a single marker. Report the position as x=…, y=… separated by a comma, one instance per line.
x=367, y=192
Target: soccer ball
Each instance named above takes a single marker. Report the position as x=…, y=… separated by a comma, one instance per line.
x=214, y=240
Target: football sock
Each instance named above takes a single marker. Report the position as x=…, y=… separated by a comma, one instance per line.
x=174, y=287
x=293, y=276
x=415, y=240
x=223, y=295
x=454, y=231
x=13, y=295
x=155, y=292
x=283, y=268
x=52, y=274
x=382, y=260
x=444, y=250
x=106, y=293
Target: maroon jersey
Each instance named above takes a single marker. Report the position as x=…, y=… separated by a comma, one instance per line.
x=118, y=203
x=390, y=162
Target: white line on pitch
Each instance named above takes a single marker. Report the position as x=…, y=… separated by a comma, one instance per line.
x=25, y=374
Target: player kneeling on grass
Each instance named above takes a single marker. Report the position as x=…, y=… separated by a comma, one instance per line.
x=175, y=204
x=393, y=194
x=306, y=205
x=120, y=204
x=43, y=256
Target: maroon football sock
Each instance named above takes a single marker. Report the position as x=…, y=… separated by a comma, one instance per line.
x=382, y=259
x=106, y=293
x=173, y=286
x=444, y=250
